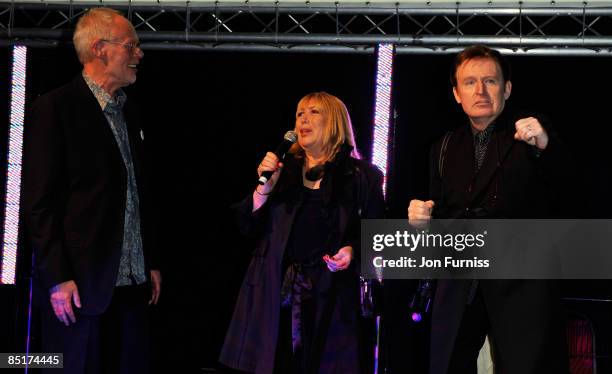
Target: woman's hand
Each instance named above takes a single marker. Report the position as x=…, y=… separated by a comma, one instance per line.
x=341, y=260
x=269, y=163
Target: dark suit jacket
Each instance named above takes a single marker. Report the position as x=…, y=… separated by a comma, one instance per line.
x=74, y=192
x=513, y=182
x=352, y=190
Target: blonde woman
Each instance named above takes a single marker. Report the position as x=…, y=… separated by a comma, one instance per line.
x=298, y=308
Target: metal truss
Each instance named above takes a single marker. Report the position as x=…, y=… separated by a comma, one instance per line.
x=542, y=29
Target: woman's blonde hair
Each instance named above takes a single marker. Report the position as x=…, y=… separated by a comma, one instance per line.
x=338, y=129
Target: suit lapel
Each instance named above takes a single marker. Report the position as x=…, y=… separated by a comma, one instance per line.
x=88, y=107
x=458, y=169
x=499, y=145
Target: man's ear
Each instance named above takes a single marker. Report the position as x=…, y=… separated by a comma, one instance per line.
x=97, y=48
x=457, y=97
x=507, y=90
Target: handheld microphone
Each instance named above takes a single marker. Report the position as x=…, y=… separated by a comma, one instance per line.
x=289, y=139
x=421, y=301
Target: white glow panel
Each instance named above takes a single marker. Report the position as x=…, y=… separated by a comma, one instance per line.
x=13, y=174
x=382, y=109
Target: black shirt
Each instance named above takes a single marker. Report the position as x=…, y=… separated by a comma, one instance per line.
x=310, y=229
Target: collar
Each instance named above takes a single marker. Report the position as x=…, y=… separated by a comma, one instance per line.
x=504, y=121
x=486, y=132
x=104, y=99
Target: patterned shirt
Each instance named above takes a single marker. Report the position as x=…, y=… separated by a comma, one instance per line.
x=131, y=265
x=481, y=142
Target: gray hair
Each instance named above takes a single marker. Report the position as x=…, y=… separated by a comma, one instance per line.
x=97, y=23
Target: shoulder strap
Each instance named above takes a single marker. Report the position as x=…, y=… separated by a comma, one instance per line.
x=361, y=193
x=443, y=148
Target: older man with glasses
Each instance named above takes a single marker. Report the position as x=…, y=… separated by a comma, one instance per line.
x=83, y=198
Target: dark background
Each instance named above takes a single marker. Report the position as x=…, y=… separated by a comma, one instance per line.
x=211, y=116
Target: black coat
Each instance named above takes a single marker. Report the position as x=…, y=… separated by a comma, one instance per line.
x=74, y=193
x=352, y=190
x=513, y=182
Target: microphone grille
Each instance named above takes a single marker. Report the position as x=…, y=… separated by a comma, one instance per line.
x=291, y=136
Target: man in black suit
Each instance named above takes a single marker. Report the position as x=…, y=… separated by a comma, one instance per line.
x=83, y=203
x=499, y=165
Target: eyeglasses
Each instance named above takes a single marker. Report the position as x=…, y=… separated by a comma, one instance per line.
x=131, y=47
